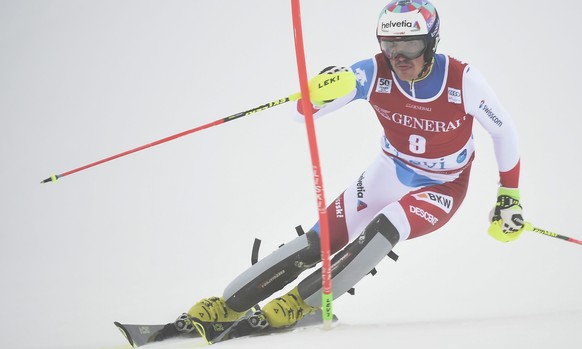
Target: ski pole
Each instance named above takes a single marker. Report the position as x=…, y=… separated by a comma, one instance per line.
x=322, y=87
x=293, y=97
x=530, y=227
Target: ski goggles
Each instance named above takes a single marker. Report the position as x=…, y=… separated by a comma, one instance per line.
x=410, y=48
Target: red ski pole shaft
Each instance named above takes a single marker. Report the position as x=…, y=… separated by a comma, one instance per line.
x=327, y=296
x=54, y=177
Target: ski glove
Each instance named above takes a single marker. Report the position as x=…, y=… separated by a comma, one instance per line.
x=506, y=217
x=344, y=82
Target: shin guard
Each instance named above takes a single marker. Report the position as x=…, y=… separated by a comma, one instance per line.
x=352, y=263
x=273, y=272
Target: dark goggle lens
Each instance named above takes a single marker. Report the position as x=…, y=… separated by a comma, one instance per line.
x=410, y=49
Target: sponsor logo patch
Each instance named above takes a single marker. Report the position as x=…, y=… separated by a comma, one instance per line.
x=490, y=113
x=462, y=156
x=455, y=96
x=339, y=210
x=444, y=202
x=420, y=123
x=361, y=205
x=427, y=216
x=387, y=26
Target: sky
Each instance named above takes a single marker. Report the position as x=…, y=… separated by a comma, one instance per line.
x=142, y=238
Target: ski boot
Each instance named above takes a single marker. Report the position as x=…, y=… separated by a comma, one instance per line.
x=212, y=317
x=214, y=309
x=286, y=310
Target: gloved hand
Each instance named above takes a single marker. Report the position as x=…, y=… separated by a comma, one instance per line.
x=331, y=83
x=506, y=217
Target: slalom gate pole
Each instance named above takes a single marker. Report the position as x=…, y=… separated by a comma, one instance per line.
x=327, y=296
x=293, y=97
x=530, y=227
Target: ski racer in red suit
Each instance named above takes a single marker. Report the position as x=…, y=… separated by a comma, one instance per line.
x=426, y=104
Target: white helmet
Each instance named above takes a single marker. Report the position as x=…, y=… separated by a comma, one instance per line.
x=408, y=19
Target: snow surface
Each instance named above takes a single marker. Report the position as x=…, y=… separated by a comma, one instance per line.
x=140, y=239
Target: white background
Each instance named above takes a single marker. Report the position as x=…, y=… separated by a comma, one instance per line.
x=142, y=238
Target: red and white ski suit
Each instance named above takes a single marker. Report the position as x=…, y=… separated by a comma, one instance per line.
x=420, y=178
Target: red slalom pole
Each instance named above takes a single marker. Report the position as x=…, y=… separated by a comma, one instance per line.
x=327, y=296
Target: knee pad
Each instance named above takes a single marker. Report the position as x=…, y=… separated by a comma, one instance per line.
x=352, y=263
x=273, y=272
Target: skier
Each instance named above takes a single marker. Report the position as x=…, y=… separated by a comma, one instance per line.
x=426, y=103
